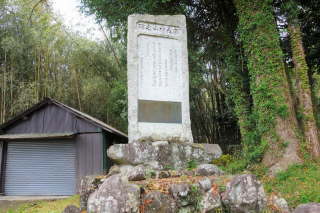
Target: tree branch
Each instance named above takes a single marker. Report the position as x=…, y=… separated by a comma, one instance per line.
x=33, y=9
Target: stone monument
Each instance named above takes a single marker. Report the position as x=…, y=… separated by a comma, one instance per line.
x=158, y=79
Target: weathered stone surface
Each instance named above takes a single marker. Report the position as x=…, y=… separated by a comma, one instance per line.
x=188, y=172
x=187, y=209
x=182, y=194
x=308, y=208
x=71, y=209
x=122, y=170
x=204, y=185
x=175, y=173
x=161, y=156
x=86, y=189
x=137, y=173
x=158, y=43
x=209, y=169
x=158, y=202
x=245, y=193
x=115, y=195
x=210, y=201
x=280, y=203
x=160, y=174
x=212, y=148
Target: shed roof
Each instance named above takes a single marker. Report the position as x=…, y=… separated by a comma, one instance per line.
x=77, y=113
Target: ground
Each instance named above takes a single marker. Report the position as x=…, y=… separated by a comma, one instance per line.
x=45, y=204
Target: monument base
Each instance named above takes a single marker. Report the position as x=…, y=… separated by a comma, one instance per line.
x=164, y=155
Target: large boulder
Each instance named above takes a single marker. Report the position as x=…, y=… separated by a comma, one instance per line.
x=183, y=194
x=308, y=208
x=88, y=185
x=154, y=202
x=86, y=189
x=115, y=195
x=209, y=169
x=245, y=194
x=163, y=155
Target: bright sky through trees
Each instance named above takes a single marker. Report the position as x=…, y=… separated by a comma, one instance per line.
x=75, y=20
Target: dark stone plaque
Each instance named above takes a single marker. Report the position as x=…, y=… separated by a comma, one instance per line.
x=159, y=111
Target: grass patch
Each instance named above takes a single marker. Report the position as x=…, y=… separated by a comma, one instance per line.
x=56, y=206
x=297, y=185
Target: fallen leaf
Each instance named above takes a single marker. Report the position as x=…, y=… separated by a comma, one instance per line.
x=214, y=192
x=214, y=187
x=147, y=201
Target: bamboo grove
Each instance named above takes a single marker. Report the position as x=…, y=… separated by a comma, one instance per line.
x=40, y=57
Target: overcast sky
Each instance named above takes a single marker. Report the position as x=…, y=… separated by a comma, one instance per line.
x=69, y=11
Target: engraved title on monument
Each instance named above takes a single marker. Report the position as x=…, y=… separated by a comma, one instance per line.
x=158, y=79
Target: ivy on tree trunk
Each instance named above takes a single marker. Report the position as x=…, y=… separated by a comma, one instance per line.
x=304, y=93
x=272, y=104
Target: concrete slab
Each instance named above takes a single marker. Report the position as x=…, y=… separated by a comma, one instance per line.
x=31, y=198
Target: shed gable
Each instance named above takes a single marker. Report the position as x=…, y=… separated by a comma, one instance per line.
x=51, y=119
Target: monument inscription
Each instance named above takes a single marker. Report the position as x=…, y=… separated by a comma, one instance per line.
x=158, y=88
x=159, y=69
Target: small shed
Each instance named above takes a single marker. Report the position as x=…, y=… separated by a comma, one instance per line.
x=48, y=148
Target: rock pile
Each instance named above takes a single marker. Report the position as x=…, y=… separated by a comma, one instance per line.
x=181, y=188
x=244, y=193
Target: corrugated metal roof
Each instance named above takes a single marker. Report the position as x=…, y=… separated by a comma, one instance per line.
x=38, y=135
x=70, y=109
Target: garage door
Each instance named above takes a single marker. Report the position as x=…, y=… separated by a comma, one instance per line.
x=40, y=168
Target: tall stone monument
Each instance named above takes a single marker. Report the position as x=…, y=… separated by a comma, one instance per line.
x=158, y=79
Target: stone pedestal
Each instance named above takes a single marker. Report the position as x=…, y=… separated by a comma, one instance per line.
x=163, y=155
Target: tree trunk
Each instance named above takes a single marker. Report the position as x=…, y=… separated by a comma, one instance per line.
x=4, y=86
x=11, y=85
x=38, y=79
x=75, y=78
x=276, y=122
x=301, y=71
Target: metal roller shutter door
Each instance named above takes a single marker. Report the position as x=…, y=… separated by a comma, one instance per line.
x=40, y=168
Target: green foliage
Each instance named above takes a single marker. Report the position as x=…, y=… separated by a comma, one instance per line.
x=148, y=173
x=195, y=190
x=224, y=160
x=191, y=165
x=169, y=168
